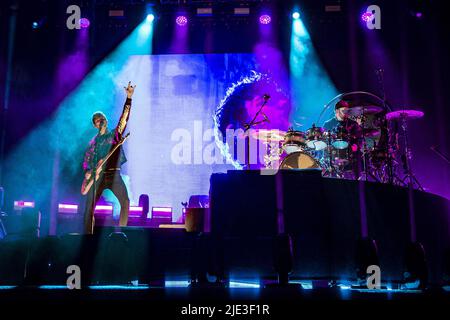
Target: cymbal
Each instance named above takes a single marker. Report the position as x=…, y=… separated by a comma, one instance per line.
x=356, y=98
x=294, y=133
x=404, y=114
x=370, y=133
x=268, y=134
x=367, y=133
x=362, y=110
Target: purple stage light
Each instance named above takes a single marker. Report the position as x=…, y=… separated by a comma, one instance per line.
x=136, y=209
x=84, y=22
x=181, y=21
x=367, y=16
x=73, y=208
x=419, y=15
x=20, y=204
x=103, y=209
x=67, y=208
x=161, y=215
x=265, y=19
x=161, y=212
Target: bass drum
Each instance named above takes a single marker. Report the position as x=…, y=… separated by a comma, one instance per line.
x=299, y=160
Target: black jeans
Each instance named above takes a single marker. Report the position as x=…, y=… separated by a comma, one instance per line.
x=114, y=182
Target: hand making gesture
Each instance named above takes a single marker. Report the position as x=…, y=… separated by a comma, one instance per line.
x=129, y=90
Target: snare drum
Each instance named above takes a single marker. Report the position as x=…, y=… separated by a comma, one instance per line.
x=315, y=138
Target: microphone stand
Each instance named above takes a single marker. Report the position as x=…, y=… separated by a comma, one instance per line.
x=390, y=165
x=248, y=126
x=94, y=186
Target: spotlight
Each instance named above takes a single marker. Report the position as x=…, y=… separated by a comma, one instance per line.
x=265, y=19
x=20, y=204
x=161, y=215
x=35, y=25
x=150, y=17
x=367, y=16
x=67, y=208
x=181, y=21
x=296, y=15
x=419, y=15
x=84, y=23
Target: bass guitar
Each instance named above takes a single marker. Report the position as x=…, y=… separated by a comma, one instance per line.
x=87, y=183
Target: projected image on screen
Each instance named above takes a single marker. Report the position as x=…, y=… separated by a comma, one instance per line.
x=172, y=152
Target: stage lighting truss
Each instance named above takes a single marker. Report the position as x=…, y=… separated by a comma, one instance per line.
x=126, y=13
x=205, y=12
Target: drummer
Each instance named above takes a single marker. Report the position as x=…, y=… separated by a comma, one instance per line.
x=340, y=117
x=341, y=122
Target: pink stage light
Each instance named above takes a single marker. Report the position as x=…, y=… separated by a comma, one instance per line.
x=73, y=208
x=265, y=19
x=161, y=212
x=367, y=16
x=20, y=204
x=181, y=21
x=67, y=208
x=135, y=211
x=84, y=23
x=103, y=209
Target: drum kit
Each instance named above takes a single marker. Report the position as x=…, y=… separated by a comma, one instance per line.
x=367, y=149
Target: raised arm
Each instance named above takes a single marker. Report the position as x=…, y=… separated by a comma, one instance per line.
x=126, y=110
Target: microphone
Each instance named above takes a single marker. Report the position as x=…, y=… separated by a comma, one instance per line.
x=266, y=96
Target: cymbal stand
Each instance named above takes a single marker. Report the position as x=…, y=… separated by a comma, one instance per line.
x=364, y=148
x=390, y=161
x=366, y=172
x=330, y=153
x=391, y=164
x=409, y=178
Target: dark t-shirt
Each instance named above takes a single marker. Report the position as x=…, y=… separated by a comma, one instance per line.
x=348, y=126
x=101, y=146
x=332, y=124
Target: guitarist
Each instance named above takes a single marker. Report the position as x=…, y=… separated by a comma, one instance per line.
x=109, y=177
